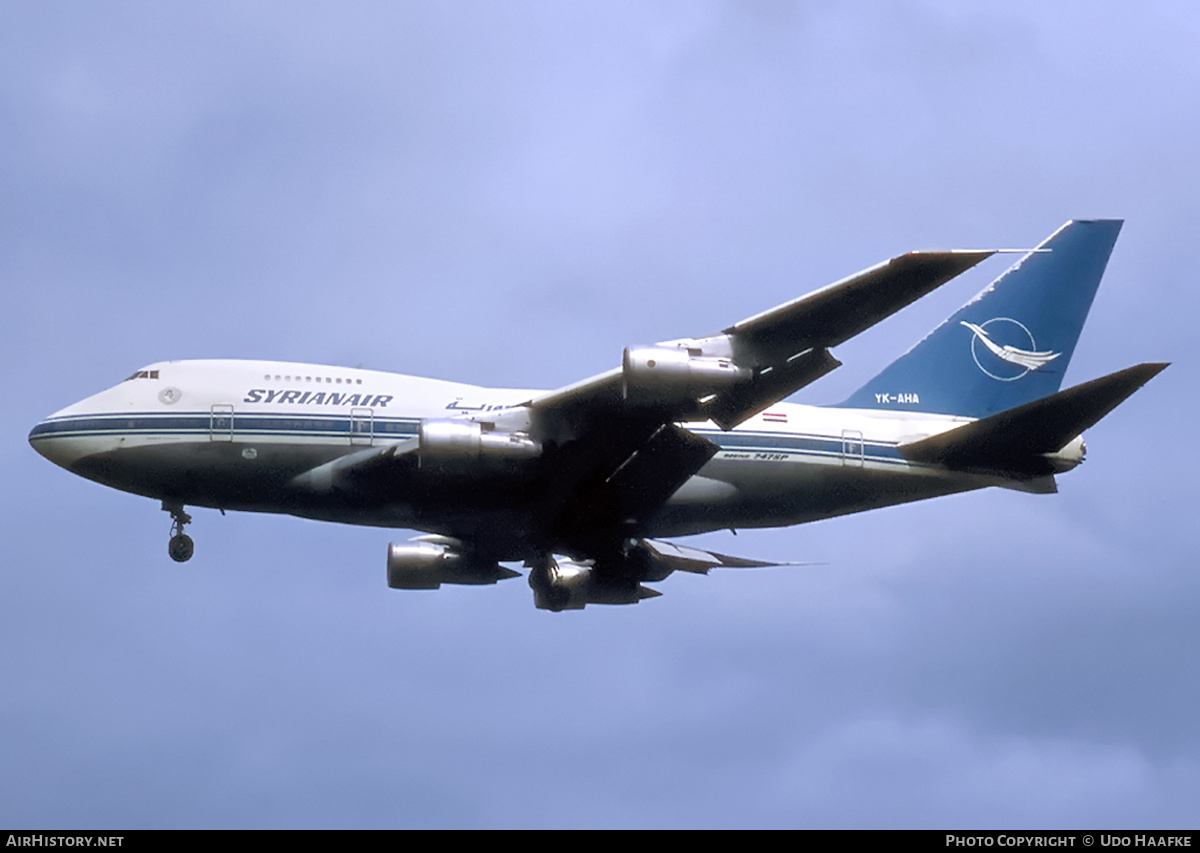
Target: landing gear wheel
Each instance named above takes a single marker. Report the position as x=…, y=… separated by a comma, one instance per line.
x=181, y=547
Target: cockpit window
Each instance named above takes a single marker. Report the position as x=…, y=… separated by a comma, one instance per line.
x=143, y=374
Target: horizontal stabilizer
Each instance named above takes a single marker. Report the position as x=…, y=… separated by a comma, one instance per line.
x=1017, y=440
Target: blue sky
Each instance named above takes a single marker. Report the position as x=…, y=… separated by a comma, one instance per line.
x=509, y=194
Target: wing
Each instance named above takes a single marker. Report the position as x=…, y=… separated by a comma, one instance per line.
x=735, y=374
x=613, y=448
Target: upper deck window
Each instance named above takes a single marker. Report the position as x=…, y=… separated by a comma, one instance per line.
x=288, y=378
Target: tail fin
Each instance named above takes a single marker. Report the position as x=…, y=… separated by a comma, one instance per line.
x=1009, y=345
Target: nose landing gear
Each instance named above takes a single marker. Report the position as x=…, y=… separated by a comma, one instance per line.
x=180, y=546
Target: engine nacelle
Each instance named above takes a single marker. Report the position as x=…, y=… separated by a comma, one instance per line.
x=434, y=560
x=671, y=373
x=467, y=441
x=568, y=585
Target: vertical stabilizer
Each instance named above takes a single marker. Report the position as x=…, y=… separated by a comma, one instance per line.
x=1009, y=345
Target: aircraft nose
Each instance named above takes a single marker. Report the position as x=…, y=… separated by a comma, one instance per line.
x=41, y=439
x=47, y=439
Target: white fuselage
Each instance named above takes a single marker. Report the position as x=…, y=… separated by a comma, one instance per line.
x=236, y=434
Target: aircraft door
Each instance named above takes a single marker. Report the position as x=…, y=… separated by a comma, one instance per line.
x=362, y=426
x=220, y=422
x=852, y=448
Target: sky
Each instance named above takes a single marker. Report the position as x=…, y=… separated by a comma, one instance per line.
x=508, y=195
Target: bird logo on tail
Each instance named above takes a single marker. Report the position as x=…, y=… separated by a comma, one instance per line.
x=1006, y=362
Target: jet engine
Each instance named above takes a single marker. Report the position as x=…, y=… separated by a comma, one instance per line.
x=460, y=441
x=672, y=373
x=569, y=585
x=434, y=560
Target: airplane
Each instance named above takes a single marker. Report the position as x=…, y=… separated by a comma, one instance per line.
x=586, y=484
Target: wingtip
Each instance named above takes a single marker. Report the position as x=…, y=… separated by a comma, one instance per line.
x=1152, y=368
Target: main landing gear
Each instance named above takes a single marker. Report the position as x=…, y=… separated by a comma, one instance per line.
x=181, y=546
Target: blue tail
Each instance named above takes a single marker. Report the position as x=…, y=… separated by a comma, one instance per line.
x=1011, y=344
